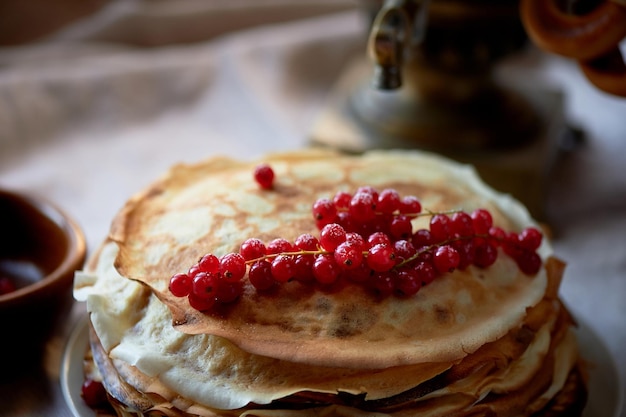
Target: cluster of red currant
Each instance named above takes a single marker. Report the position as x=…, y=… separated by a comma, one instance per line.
x=365, y=238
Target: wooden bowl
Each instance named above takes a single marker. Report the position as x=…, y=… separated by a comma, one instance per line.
x=40, y=249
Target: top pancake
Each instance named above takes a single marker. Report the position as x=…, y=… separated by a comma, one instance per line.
x=215, y=205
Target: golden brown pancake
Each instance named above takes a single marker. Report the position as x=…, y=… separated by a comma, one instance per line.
x=222, y=206
x=491, y=341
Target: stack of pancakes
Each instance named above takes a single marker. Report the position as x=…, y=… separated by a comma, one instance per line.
x=475, y=342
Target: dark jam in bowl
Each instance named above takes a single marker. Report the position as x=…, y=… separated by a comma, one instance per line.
x=18, y=273
x=33, y=240
x=40, y=249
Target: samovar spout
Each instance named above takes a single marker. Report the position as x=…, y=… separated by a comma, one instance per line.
x=397, y=27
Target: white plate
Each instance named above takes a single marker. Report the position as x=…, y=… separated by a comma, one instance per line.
x=72, y=375
x=606, y=395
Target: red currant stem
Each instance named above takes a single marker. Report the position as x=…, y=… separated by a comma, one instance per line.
x=420, y=252
x=423, y=213
x=436, y=245
x=296, y=253
x=365, y=253
x=427, y=212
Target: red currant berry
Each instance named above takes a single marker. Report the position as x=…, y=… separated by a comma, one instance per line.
x=331, y=236
x=378, y=238
x=180, y=285
x=425, y=254
x=486, y=255
x=260, y=275
x=440, y=227
x=446, y=259
x=204, y=285
x=422, y=238
x=481, y=221
x=303, y=268
x=362, y=207
x=264, y=176
x=530, y=238
x=404, y=250
x=93, y=393
x=425, y=272
x=364, y=229
x=201, y=303
x=410, y=206
x=283, y=268
x=511, y=245
x=380, y=223
x=252, y=248
x=307, y=242
x=461, y=224
x=324, y=212
x=401, y=227
x=466, y=250
x=497, y=235
x=388, y=201
x=407, y=282
x=193, y=270
x=227, y=292
x=346, y=221
x=381, y=257
x=359, y=274
x=356, y=239
x=348, y=255
x=382, y=283
x=325, y=269
x=280, y=245
x=528, y=262
x=342, y=200
x=209, y=263
x=368, y=189
x=232, y=267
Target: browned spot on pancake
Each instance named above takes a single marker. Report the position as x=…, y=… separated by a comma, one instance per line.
x=289, y=326
x=315, y=330
x=285, y=190
x=352, y=320
x=323, y=305
x=284, y=323
x=442, y=314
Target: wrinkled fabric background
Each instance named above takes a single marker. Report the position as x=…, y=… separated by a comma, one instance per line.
x=96, y=111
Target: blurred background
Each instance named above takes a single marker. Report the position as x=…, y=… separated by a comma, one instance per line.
x=99, y=97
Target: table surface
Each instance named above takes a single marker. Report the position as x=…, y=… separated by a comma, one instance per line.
x=87, y=122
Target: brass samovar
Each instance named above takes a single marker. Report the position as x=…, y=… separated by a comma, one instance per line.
x=428, y=81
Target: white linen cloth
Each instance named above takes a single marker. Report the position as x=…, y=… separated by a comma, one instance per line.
x=96, y=112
